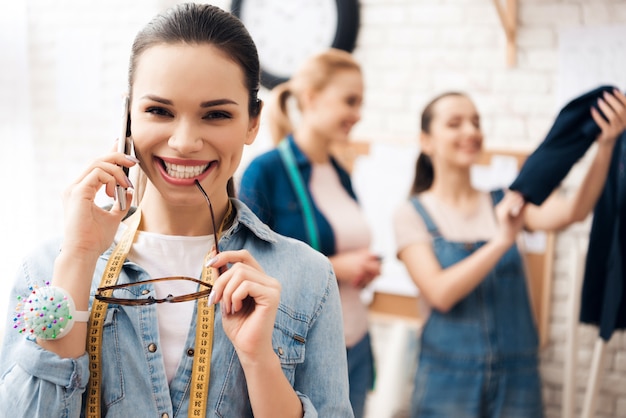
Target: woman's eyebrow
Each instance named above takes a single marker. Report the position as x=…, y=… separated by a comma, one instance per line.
x=208, y=103
x=218, y=102
x=157, y=99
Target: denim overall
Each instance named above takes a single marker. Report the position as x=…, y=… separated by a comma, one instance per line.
x=480, y=359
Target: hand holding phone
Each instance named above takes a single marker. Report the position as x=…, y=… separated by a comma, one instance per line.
x=123, y=145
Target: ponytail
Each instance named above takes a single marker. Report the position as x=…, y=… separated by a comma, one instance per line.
x=424, y=174
x=277, y=113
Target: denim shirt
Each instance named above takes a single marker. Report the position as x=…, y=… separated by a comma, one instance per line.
x=265, y=187
x=307, y=338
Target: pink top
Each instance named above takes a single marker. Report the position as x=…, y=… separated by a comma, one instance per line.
x=352, y=232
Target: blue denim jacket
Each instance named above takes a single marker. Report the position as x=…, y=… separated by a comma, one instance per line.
x=308, y=339
x=265, y=187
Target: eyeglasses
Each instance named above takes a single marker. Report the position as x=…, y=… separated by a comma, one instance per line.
x=150, y=300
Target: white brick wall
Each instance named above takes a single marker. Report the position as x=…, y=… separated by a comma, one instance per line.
x=410, y=51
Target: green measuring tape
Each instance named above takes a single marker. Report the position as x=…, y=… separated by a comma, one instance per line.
x=298, y=185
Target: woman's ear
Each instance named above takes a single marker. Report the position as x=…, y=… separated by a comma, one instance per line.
x=425, y=141
x=253, y=126
x=307, y=98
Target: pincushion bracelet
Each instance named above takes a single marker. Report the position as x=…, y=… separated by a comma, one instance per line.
x=47, y=313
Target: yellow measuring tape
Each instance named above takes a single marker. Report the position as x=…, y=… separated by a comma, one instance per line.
x=204, y=329
x=98, y=314
x=201, y=370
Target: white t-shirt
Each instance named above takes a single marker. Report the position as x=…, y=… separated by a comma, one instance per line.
x=171, y=256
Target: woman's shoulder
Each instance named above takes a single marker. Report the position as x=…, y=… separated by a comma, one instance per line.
x=280, y=244
x=299, y=261
x=265, y=159
x=408, y=207
x=432, y=203
x=273, y=244
x=404, y=209
x=260, y=170
x=299, y=268
x=306, y=276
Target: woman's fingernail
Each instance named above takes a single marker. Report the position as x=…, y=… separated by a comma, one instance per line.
x=211, y=262
x=232, y=309
x=129, y=183
x=131, y=158
x=211, y=300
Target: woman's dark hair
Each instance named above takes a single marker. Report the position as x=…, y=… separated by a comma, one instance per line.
x=195, y=24
x=424, y=172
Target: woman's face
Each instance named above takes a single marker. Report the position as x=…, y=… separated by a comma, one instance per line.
x=334, y=110
x=189, y=119
x=455, y=136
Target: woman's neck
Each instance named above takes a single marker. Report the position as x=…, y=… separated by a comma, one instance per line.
x=193, y=219
x=453, y=186
x=314, y=146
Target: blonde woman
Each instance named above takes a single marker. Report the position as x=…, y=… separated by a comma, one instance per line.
x=301, y=191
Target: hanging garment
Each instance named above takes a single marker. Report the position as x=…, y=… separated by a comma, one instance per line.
x=603, y=297
x=571, y=135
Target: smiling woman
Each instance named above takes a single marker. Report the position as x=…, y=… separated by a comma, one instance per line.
x=300, y=190
x=275, y=339
x=459, y=245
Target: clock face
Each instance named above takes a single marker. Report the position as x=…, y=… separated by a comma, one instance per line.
x=286, y=32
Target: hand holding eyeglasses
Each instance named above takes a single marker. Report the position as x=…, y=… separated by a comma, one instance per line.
x=248, y=299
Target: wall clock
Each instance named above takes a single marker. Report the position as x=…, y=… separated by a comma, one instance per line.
x=286, y=32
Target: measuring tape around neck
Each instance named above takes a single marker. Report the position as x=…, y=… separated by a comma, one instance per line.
x=201, y=371
x=98, y=314
x=204, y=328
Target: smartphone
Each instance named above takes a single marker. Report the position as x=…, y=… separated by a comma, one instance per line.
x=123, y=145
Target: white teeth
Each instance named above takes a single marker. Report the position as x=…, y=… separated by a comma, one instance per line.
x=180, y=171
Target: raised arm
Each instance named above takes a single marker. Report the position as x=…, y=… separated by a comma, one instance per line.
x=558, y=212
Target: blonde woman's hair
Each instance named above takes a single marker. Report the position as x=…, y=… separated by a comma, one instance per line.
x=314, y=74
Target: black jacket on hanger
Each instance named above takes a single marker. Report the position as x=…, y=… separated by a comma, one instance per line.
x=569, y=138
x=603, y=298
